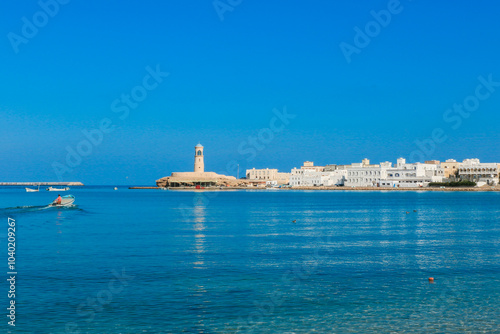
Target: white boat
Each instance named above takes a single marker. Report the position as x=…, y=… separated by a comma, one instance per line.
x=31, y=190
x=65, y=201
x=57, y=189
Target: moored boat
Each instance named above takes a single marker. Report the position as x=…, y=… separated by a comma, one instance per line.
x=57, y=189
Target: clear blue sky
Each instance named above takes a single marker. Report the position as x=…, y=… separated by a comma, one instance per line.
x=226, y=77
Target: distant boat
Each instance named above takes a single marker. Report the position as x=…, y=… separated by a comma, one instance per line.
x=116, y=188
x=65, y=201
x=57, y=189
x=31, y=190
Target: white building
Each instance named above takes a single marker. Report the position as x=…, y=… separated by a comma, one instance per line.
x=311, y=178
x=413, y=175
x=365, y=175
x=481, y=173
x=402, y=175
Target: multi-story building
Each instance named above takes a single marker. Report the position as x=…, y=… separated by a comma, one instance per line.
x=450, y=168
x=309, y=175
x=481, y=173
x=413, y=174
x=311, y=178
x=263, y=175
x=402, y=175
x=366, y=175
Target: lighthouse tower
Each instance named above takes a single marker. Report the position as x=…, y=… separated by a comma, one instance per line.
x=199, y=165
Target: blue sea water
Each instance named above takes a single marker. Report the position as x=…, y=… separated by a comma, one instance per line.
x=151, y=261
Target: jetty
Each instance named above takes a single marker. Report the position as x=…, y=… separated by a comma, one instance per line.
x=23, y=184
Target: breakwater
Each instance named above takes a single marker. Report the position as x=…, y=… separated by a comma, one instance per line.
x=41, y=184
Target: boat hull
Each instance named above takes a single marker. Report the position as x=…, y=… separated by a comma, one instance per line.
x=57, y=189
x=65, y=201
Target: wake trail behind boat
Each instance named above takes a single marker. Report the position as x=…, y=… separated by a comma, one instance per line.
x=26, y=207
x=31, y=208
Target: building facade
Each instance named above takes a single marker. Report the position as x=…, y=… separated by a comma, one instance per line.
x=413, y=174
x=366, y=175
x=481, y=173
x=263, y=175
x=402, y=175
x=450, y=168
x=311, y=178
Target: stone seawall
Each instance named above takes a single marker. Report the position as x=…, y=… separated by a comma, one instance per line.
x=325, y=189
x=41, y=184
x=396, y=189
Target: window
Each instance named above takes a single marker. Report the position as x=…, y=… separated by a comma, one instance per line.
x=199, y=152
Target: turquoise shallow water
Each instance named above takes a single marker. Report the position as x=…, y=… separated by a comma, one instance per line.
x=134, y=261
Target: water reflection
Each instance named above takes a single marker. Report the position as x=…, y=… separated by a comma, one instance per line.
x=199, y=213
x=198, y=296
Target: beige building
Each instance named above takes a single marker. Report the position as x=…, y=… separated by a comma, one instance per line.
x=263, y=175
x=451, y=168
x=364, y=163
x=309, y=165
x=198, y=177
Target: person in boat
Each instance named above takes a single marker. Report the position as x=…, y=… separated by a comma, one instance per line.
x=58, y=200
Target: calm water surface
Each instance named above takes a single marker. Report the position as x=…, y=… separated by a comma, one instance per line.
x=134, y=261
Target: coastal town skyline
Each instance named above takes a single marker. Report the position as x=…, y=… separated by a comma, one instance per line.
x=238, y=168
x=403, y=174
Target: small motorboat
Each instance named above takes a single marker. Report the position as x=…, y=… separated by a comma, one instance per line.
x=65, y=201
x=31, y=190
x=57, y=189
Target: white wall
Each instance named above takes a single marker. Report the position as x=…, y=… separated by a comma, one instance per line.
x=403, y=175
x=310, y=178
